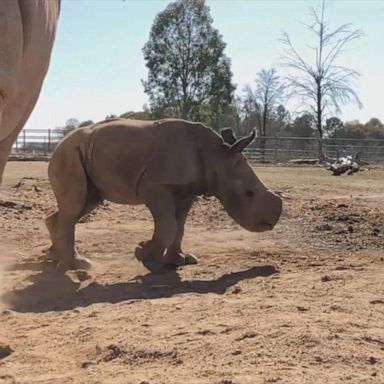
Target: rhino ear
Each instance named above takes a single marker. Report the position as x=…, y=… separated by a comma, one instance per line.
x=243, y=142
x=228, y=136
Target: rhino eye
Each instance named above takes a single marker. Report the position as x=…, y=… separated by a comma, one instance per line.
x=249, y=193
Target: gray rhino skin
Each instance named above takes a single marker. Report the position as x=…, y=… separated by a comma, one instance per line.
x=163, y=164
x=27, y=33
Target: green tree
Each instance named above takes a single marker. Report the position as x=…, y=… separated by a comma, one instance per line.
x=302, y=126
x=333, y=125
x=188, y=73
x=374, y=129
x=319, y=81
x=85, y=123
x=280, y=121
x=145, y=114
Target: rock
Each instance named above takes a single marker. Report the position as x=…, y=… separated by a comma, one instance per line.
x=373, y=360
x=323, y=227
x=375, y=231
x=236, y=290
x=5, y=350
x=82, y=275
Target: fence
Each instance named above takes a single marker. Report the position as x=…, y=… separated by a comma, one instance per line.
x=283, y=149
x=277, y=149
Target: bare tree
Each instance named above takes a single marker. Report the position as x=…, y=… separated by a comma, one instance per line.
x=260, y=103
x=320, y=83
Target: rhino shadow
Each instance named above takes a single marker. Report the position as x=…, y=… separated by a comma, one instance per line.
x=53, y=291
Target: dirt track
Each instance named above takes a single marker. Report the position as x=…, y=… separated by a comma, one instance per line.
x=301, y=304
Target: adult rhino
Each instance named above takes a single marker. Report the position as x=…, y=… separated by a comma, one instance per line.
x=27, y=32
x=162, y=164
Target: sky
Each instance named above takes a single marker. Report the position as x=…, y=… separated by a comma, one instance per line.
x=97, y=63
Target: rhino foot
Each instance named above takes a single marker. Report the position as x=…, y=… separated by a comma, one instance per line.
x=154, y=266
x=180, y=259
x=190, y=259
x=78, y=263
x=50, y=254
x=140, y=253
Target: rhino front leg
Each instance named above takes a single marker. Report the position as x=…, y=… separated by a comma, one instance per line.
x=174, y=256
x=162, y=207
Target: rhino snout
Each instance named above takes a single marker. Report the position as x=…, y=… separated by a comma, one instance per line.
x=268, y=214
x=273, y=207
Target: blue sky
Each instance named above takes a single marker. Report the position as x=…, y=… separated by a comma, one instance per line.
x=97, y=63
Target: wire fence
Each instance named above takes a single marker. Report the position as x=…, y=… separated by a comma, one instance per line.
x=269, y=149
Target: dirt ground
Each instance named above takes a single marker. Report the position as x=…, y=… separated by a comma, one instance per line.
x=303, y=303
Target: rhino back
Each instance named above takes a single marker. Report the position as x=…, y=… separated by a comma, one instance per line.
x=178, y=158
x=125, y=158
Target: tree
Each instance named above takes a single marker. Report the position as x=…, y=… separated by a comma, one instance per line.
x=269, y=93
x=71, y=124
x=145, y=114
x=320, y=82
x=281, y=118
x=333, y=125
x=188, y=71
x=302, y=126
x=372, y=129
x=85, y=123
x=260, y=103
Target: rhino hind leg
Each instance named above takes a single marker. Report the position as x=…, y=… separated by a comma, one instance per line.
x=53, y=253
x=74, y=199
x=174, y=256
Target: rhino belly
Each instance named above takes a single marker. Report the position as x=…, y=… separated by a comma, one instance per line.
x=116, y=173
x=116, y=188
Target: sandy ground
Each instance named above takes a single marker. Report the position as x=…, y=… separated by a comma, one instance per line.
x=301, y=304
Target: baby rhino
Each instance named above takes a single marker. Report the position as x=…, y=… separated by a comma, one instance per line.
x=163, y=164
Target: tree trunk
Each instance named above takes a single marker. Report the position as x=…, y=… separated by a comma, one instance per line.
x=263, y=133
x=319, y=123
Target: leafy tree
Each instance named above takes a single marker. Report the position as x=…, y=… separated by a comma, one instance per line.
x=85, y=123
x=71, y=124
x=188, y=72
x=302, y=126
x=321, y=84
x=333, y=125
x=372, y=129
x=280, y=121
x=145, y=114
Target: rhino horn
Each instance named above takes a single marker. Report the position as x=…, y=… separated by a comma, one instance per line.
x=228, y=136
x=240, y=144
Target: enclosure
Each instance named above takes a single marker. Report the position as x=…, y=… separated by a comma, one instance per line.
x=277, y=149
x=303, y=303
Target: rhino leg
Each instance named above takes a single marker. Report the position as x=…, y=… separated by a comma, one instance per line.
x=74, y=199
x=55, y=252
x=162, y=207
x=174, y=256
x=62, y=231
